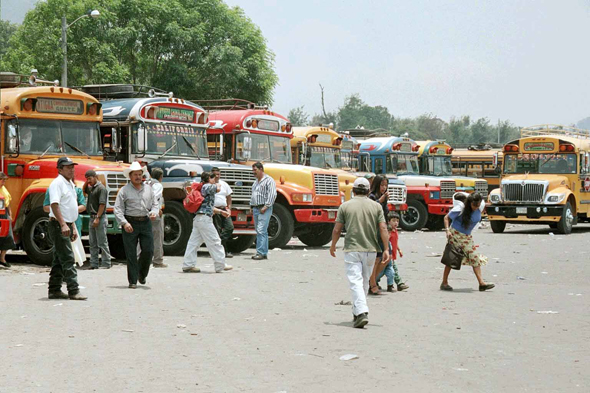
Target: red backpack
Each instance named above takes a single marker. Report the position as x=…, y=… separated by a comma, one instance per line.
x=194, y=199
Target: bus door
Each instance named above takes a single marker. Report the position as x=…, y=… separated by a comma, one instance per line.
x=364, y=162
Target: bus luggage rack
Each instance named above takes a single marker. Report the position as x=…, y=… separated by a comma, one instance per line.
x=554, y=129
x=114, y=91
x=228, y=104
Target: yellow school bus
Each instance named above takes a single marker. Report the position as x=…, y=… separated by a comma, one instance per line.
x=478, y=162
x=435, y=160
x=545, y=179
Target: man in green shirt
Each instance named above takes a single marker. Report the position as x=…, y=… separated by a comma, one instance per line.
x=364, y=222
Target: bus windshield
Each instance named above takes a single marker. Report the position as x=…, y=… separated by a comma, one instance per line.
x=265, y=148
x=324, y=157
x=182, y=140
x=407, y=164
x=38, y=136
x=553, y=163
x=439, y=166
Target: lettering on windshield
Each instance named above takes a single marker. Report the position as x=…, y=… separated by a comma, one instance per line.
x=538, y=146
x=175, y=114
x=55, y=105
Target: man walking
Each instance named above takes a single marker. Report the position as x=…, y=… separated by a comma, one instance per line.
x=364, y=222
x=96, y=207
x=264, y=193
x=135, y=206
x=62, y=231
x=223, y=224
x=158, y=224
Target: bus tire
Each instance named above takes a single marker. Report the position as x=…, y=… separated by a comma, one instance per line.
x=564, y=226
x=415, y=217
x=178, y=224
x=238, y=244
x=116, y=247
x=280, y=227
x=318, y=235
x=498, y=226
x=35, y=237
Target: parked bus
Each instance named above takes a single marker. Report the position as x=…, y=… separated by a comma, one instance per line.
x=159, y=130
x=352, y=160
x=435, y=160
x=307, y=197
x=545, y=179
x=429, y=197
x=478, y=162
x=39, y=125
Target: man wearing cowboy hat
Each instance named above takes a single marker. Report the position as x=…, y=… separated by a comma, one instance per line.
x=135, y=206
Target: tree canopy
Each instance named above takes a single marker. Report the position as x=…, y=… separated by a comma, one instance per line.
x=200, y=49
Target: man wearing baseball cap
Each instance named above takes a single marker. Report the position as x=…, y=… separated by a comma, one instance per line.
x=364, y=222
x=62, y=231
x=96, y=207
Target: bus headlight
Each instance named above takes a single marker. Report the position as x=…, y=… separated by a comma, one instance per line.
x=495, y=198
x=302, y=197
x=2, y=203
x=434, y=195
x=342, y=199
x=555, y=198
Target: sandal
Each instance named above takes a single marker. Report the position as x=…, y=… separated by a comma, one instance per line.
x=374, y=293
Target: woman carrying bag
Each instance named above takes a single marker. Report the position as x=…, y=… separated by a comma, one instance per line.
x=459, y=237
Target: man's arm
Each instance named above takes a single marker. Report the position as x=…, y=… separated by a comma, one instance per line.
x=120, y=209
x=155, y=210
x=335, y=237
x=65, y=229
x=385, y=240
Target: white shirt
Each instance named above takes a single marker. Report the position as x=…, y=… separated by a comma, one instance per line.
x=63, y=192
x=158, y=192
x=221, y=196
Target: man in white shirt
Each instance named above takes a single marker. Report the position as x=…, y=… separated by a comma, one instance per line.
x=158, y=223
x=62, y=231
x=224, y=225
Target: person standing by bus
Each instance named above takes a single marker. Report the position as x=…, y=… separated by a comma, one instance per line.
x=6, y=243
x=223, y=224
x=63, y=231
x=264, y=193
x=96, y=207
x=158, y=223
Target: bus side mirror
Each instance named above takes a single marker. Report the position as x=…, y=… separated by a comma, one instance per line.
x=303, y=153
x=247, y=146
x=141, y=138
x=495, y=160
x=12, y=145
x=497, y=169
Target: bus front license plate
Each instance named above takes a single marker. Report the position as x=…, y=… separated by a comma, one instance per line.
x=521, y=210
x=241, y=217
x=331, y=215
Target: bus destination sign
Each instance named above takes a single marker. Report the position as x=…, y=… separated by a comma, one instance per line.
x=56, y=105
x=268, y=125
x=538, y=146
x=175, y=114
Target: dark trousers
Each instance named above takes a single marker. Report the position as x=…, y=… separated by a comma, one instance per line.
x=63, y=267
x=225, y=228
x=142, y=232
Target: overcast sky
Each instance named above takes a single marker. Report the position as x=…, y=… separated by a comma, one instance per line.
x=522, y=60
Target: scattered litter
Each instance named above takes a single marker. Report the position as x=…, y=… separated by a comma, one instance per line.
x=277, y=249
x=71, y=336
x=551, y=234
x=127, y=330
x=81, y=287
x=343, y=303
x=418, y=231
x=434, y=254
x=58, y=304
x=181, y=326
x=305, y=249
x=520, y=278
x=547, y=312
x=249, y=318
x=325, y=335
x=461, y=369
x=28, y=274
x=310, y=255
x=495, y=275
x=349, y=356
x=18, y=345
x=496, y=259
x=237, y=298
x=39, y=284
x=194, y=334
x=544, y=273
x=23, y=316
x=578, y=294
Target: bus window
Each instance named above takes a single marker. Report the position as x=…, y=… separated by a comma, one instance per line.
x=378, y=165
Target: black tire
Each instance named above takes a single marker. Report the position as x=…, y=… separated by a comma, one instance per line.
x=553, y=226
x=116, y=247
x=280, y=227
x=238, y=244
x=435, y=223
x=318, y=235
x=415, y=217
x=35, y=237
x=178, y=224
x=498, y=226
x=564, y=226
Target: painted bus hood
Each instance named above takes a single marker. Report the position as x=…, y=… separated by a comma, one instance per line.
x=182, y=168
x=421, y=181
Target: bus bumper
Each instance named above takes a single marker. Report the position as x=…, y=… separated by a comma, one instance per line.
x=112, y=224
x=527, y=212
x=397, y=208
x=315, y=215
x=243, y=222
x=439, y=209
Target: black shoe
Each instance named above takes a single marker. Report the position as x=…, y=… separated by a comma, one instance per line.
x=229, y=255
x=486, y=287
x=259, y=257
x=132, y=286
x=361, y=320
x=446, y=287
x=58, y=295
x=5, y=264
x=93, y=268
x=142, y=281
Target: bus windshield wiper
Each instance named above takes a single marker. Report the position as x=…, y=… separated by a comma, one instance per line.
x=190, y=146
x=76, y=149
x=169, y=149
x=45, y=152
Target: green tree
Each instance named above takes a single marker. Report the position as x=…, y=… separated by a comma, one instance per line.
x=482, y=131
x=356, y=113
x=298, y=117
x=459, y=130
x=200, y=49
x=7, y=29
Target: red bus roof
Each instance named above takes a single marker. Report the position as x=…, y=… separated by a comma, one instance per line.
x=269, y=123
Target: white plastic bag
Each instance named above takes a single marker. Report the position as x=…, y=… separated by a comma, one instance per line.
x=79, y=252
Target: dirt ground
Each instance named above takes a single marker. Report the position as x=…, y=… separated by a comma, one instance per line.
x=276, y=325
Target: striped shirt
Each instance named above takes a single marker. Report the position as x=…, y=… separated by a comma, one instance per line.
x=264, y=192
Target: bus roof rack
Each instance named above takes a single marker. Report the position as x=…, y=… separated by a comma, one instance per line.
x=362, y=133
x=114, y=91
x=228, y=104
x=11, y=79
x=554, y=129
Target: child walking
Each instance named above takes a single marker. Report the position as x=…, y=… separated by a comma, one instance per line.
x=391, y=270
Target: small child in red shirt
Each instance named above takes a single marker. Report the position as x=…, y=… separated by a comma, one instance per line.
x=391, y=269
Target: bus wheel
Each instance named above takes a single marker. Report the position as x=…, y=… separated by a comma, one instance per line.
x=237, y=244
x=178, y=225
x=498, y=226
x=280, y=227
x=566, y=223
x=435, y=223
x=36, y=241
x=415, y=217
x=116, y=247
x=553, y=226
x=318, y=235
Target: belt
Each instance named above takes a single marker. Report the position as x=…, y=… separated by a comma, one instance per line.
x=53, y=219
x=137, y=218
x=259, y=206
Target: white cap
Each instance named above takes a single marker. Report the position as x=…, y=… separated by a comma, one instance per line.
x=361, y=182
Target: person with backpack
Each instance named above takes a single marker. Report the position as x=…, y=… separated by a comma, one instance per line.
x=201, y=202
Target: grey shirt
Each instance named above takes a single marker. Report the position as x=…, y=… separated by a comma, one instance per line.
x=136, y=203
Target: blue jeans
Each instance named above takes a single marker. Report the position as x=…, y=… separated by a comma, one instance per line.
x=261, y=221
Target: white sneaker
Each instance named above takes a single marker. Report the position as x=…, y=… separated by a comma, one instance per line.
x=225, y=268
